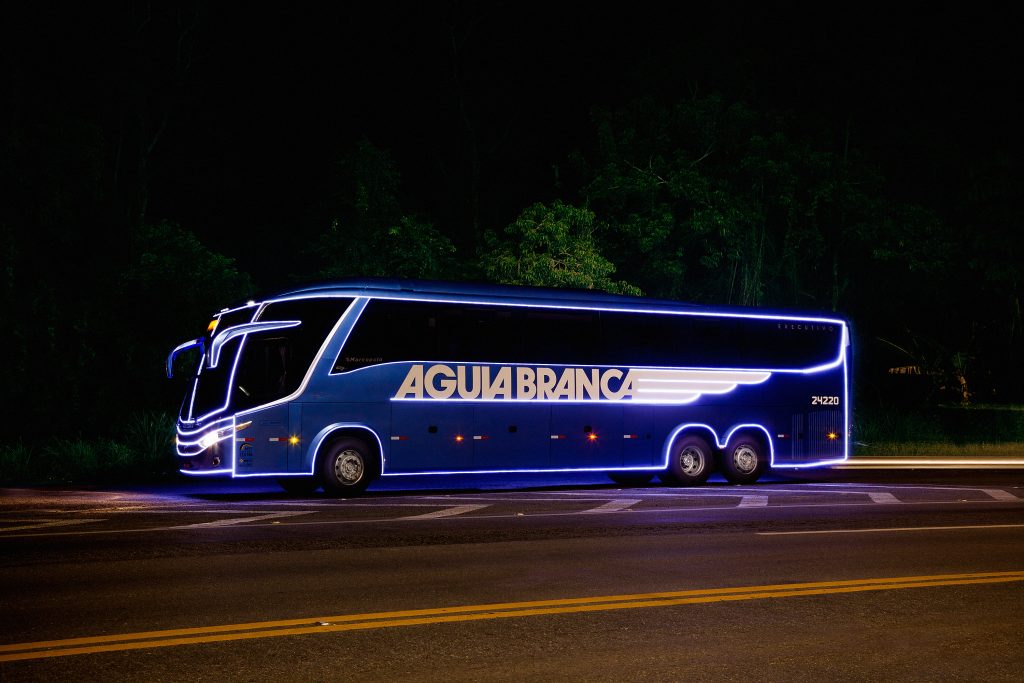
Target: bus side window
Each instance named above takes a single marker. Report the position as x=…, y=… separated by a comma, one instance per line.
x=564, y=337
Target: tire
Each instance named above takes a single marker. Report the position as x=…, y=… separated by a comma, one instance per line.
x=744, y=460
x=299, y=486
x=346, y=467
x=690, y=462
x=631, y=478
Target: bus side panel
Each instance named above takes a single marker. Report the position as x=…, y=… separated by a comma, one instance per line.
x=666, y=419
x=810, y=417
x=318, y=416
x=511, y=437
x=586, y=435
x=638, y=449
x=267, y=452
x=295, y=454
x=429, y=436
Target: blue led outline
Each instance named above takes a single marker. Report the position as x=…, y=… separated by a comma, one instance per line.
x=584, y=307
x=840, y=360
x=199, y=442
x=721, y=444
x=843, y=338
x=314, y=449
x=305, y=379
x=212, y=428
x=302, y=387
x=192, y=397
x=198, y=341
x=636, y=468
x=553, y=306
x=243, y=330
x=202, y=360
x=816, y=369
x=204, y=473
x=234, y=365
x=193, y=442
x=203, y=430
x=312, y=366
x=227, y=389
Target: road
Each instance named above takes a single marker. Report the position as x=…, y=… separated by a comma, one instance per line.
x=864, y=576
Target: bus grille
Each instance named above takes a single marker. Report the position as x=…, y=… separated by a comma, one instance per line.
x=825, y=437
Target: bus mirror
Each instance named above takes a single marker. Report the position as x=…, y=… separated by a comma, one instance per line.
x=230, y=333
x=180, y=348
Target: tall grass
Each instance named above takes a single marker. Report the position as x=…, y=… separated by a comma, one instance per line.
x=954, y=431
x=143, y=450
x=939, y=449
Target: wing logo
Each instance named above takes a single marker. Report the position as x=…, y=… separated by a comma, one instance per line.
x=686, y=386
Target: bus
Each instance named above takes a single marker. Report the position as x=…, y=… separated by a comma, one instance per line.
x=336, y=385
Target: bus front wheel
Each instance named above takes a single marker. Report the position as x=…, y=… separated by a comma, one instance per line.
x=690, y=461
x=744, y=460
x=347, y=466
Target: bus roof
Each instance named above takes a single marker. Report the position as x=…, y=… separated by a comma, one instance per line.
x=514, y=294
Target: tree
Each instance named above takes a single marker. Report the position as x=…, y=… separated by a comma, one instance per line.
x=716, y=202
x=172, y=285
x=367, y=233
x=551, y=246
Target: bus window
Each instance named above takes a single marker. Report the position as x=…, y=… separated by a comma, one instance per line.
x=273, y=365
x=562, y=337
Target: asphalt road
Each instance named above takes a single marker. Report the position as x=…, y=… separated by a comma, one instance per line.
x=866, y=576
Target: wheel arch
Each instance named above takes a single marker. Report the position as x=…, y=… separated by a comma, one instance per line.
x=687, y=429
x=756, y=431
x=340, y=430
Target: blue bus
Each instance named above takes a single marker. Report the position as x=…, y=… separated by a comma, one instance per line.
x=336, y=385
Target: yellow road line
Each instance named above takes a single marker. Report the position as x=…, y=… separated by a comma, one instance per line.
x=353, y=622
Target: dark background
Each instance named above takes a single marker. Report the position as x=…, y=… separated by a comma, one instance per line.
x=161, y=161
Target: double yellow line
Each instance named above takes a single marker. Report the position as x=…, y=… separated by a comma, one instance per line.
x=508, y=610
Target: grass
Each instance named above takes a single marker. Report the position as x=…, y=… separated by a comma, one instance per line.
x=143, y=451
x=938, y=449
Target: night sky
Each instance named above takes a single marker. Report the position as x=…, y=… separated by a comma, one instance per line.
x=272, y=97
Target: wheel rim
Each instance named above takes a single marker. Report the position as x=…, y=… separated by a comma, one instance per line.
x=349, y=467
x=745, y=459
x=691, y=461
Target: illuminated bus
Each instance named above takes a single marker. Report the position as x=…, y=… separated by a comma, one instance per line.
x=336, y=385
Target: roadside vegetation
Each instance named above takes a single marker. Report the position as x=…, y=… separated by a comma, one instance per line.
x=973, y=431
x=142, y=452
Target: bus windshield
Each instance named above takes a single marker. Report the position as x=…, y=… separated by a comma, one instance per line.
x=263, y=367
x=210, y=388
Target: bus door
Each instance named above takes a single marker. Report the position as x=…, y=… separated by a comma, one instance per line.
x=588, y=435
x=265, y=446
x=511, y=437
x=428, y=436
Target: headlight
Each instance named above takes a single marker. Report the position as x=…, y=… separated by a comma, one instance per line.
x=211, y=438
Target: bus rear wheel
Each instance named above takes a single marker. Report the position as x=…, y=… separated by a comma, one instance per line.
x=346, y=467
x=690, y=462
x=744, y=460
